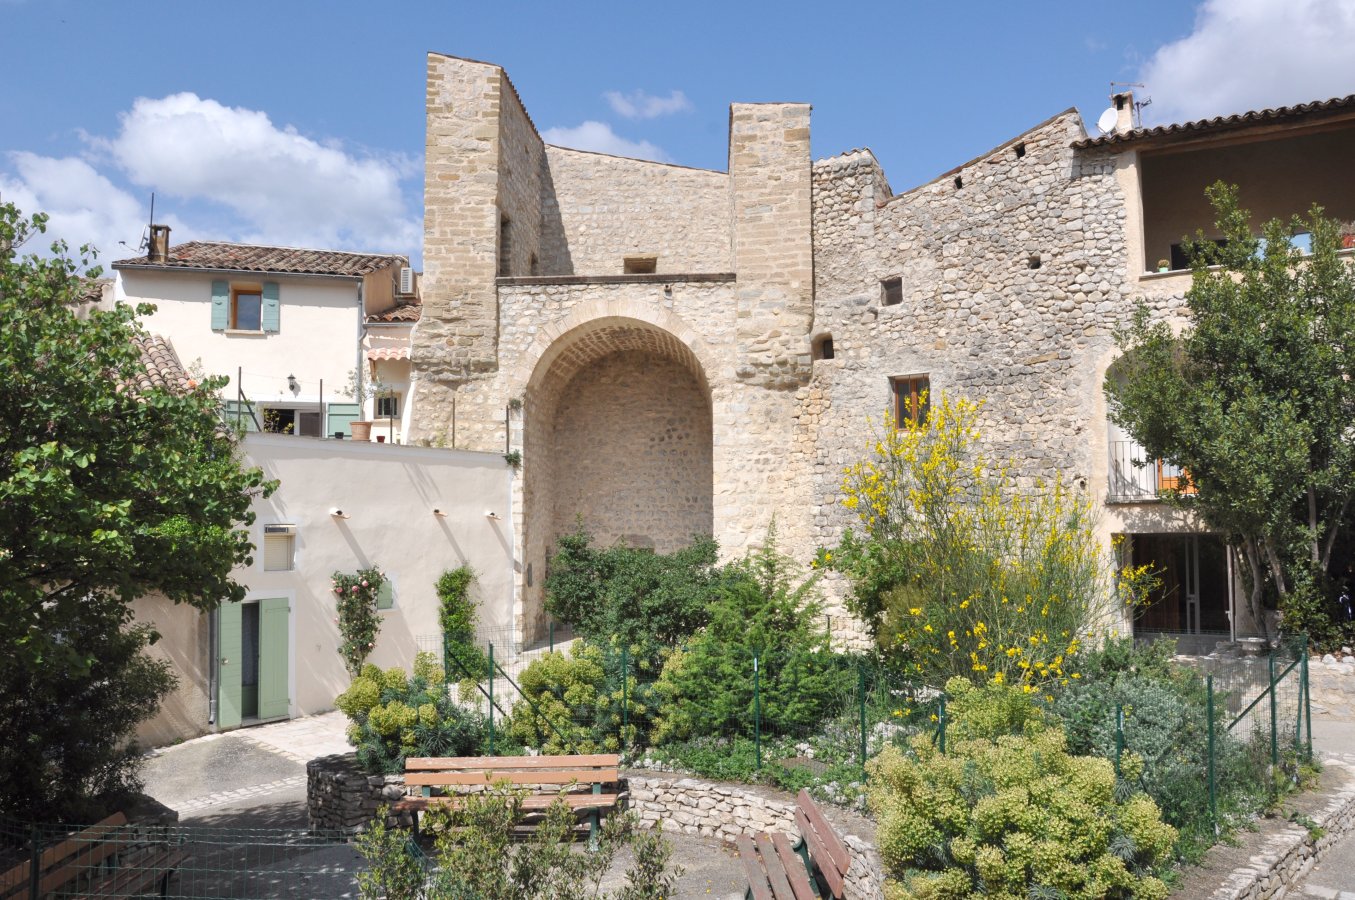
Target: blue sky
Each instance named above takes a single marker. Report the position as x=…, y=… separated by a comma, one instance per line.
x=301, y=123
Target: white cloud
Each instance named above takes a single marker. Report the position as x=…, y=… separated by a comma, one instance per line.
x=285, y=187
x=640, y=105
x=83, y=205
x=599, y=137
x=1253, y=54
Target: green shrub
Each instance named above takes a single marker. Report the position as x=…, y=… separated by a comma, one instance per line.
x=576, y=703
x=394, y=715
x=646, y=600
x=708, y=687
x=1011, y=815
x=1166, y=724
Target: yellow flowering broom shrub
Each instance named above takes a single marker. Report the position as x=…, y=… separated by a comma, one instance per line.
x=1008, y=814
x=960, y=567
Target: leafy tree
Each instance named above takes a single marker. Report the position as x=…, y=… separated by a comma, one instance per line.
x=1255, y=400
x=644, y=599
x=111, y=488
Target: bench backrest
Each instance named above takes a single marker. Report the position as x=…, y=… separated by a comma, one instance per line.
x=448, y=771
x=830, y=855
x=63, y=861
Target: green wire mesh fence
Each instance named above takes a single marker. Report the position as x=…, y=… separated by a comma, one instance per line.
x=116, y=858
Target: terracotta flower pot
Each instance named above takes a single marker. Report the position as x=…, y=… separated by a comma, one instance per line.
x=362, y=431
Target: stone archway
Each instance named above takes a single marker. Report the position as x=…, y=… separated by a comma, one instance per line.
x=617, y=432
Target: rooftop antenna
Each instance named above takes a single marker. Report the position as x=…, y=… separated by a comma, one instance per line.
x=1116, y=87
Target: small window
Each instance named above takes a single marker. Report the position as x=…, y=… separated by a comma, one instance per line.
x=1033, y=261
x=385, y=596
x=640, y=265
x=505, y=248
x=246, y=310
x=911, y=399
x=1020, y=150
x=388, y=407
x=959, y=182
x=823, y=347
x=891, y=292
x=279, y=548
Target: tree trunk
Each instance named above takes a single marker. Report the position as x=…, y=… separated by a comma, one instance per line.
x=1312, y=521
x=1276, y=567
x=1257, y=587
x=1325, y=562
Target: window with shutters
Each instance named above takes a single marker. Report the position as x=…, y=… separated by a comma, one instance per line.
x=385, y=595
x=245, y=307
x=279, y=548
x=910, y=399
x=388, y=407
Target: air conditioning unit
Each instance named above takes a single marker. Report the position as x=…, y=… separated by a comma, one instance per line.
x=406, y=280
x=279, y=529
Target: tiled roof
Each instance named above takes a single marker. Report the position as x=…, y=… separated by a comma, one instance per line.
x=220, y=255
x=163, y=369
x=405, y=312
x=1223, y=123
x=92, y=289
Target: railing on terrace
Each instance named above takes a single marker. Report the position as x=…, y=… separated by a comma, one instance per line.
x=1134, y=477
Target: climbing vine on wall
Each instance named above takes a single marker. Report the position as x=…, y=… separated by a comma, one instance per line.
x=355, y=596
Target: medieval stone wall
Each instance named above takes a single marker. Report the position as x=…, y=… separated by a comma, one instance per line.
x=601, y=209
x=522, y=161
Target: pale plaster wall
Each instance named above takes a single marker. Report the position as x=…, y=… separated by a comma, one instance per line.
x=601, y=209
x=389, y=493
x=184, y=645
x=319, y=322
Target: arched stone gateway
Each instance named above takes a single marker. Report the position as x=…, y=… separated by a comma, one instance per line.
x=617, y=433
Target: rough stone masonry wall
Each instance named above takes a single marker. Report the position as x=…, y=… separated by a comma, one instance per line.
x=522, y=163
x=725, y=811
x=341, y=797
x=601, y=209
x=631, y=447
x=1014, y=277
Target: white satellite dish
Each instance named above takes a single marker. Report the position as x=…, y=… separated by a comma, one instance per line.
x=1108, y=120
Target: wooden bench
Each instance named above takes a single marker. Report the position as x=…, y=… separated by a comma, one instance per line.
x=813, y=865
x=108, y=859
x=451, y=777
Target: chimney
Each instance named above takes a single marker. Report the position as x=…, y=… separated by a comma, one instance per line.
x=159, y=248
x=1124, y=112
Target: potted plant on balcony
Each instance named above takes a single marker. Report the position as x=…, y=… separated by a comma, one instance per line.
x=1164, y=265
x=362, y=390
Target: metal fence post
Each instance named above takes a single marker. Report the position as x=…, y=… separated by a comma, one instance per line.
x=491, y=698
x=1213, y=789
x=625, y=696
x=1307, y=699
x=941, y=725
x=551, y=645
x=1274, y=714
x=35, y=864
x=1119, y=738
x=861, y=703
x=757, y=714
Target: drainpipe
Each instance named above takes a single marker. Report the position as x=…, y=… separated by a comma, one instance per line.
x=212, y=666
x=362, y=332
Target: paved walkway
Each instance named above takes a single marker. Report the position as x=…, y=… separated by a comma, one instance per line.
x=1333, y=878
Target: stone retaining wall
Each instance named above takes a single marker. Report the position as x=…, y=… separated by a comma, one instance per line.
x=1288, y=855
x=725, y=811
x=340, y=796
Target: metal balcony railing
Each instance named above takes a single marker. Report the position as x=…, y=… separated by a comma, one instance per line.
x=1134, y=477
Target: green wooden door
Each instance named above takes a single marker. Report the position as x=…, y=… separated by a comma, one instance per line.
x=230, y=663
x=274, y=622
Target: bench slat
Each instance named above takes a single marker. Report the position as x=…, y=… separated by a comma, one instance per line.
x=794, y=867
x=137, y=877
x=18, y=876
x=489, y=776
x=538, y=801
x=837, y=851
x=757, y=878
x=818, y=853
x=776, y=873
x=500, y=763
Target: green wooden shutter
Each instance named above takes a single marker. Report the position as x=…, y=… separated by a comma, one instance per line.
x=221, y=306
x=385, y=597
x=230, y=666
x=341, y=415
x=270, y=315
x=274, y=628
x=245, y=413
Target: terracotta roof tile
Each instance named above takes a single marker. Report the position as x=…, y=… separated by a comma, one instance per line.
x=220, y=255
x=405, y=312
x=163, y=369
x=1222, y=123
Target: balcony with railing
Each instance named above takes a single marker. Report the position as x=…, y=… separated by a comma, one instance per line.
x=1135, y=477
